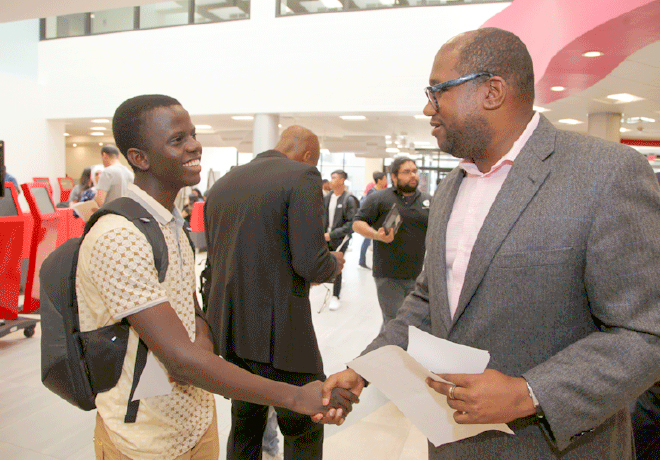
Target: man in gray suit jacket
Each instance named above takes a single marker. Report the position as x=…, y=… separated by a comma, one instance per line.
x=543, y=249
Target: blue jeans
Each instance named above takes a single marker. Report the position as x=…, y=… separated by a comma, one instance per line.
x=363, y=251
x=270, y=443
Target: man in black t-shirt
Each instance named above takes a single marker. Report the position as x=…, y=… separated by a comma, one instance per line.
x=398, y=258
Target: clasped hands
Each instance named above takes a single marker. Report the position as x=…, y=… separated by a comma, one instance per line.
x=489, y=397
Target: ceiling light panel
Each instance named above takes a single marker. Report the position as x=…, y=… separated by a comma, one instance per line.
x=624, y=97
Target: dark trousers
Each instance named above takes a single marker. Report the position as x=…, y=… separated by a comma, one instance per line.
x=645, y=416
x=303, y=439
x=336, y=288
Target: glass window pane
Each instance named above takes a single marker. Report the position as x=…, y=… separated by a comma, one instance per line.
x=164, y=14
x=113, y=20
x=216, y=11
x=289, y=7
x=51, y=27
x=70, y=25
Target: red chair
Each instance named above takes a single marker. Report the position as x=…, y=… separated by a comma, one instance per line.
x=197, y=217
x=197, y=234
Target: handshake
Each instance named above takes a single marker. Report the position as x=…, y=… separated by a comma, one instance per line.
x=337, y=395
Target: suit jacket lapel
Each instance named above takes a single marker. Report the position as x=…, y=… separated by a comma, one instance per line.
x=527, y=174
x=436, y=240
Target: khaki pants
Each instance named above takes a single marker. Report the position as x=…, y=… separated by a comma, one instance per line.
x=208, y=448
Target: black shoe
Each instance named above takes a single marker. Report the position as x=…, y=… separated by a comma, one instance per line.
x=364, y=266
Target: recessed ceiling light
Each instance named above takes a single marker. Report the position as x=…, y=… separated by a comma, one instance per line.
x=75, y=145
x=623, y=130
x=422, y=117
x=66, y=134
x=633, y=120
x=99, y=128
x=557, y=88
x=624, y=97
x=392, y=150
x=101, y=120
x=540, y=109
x=570, y=121
x=592, y=54
x=101, y=144
x=243, y=117
x=352, y=117
x=96, y=133
x=203, y=126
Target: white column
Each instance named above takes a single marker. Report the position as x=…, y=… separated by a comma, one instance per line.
x=265, y=132
x=605, y=125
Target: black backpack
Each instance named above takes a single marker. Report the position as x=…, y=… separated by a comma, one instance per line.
x=78, y=365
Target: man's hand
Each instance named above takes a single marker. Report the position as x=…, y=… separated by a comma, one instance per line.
x=340, y=261
x=349, y=380
x=491, y=397
x=327, y=236
x=384, y=236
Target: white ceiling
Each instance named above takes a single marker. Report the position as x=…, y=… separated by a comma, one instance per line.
x=639, y=74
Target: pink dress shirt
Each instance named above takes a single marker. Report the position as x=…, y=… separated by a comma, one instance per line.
x=475, y=196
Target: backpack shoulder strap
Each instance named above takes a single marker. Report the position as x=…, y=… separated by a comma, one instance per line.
x=145, y=222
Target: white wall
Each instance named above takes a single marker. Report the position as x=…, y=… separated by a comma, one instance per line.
x=357, y=61
x=34, y=146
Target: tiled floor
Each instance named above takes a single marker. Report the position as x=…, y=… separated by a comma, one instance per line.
x=37, y=425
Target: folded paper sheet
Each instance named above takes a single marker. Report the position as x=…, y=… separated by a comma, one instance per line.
x=402, y=379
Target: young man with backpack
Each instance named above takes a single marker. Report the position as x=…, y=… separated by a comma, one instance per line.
x=117, y=277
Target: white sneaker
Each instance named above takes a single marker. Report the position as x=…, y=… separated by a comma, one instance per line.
x=334, y=303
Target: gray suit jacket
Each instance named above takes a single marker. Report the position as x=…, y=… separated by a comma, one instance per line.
x=562, y=288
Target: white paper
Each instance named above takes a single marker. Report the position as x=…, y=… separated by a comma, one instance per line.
x=153, y=380
x=444, y=357
x=402, y=379
x=85, y=209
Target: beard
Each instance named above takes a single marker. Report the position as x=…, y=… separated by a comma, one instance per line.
x=468, y=141
x=406, y=188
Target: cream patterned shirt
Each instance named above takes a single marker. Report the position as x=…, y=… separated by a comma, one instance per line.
x=116, y=277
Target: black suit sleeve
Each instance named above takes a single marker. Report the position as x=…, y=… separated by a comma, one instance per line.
x=310, y=256
x=350, y=209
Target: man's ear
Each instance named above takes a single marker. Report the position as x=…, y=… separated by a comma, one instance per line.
x=138, y=159
x=496, y=93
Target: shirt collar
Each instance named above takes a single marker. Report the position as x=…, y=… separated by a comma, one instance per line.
x=469, y=167
x=160, y=213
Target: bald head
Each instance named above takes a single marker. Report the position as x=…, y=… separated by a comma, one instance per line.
x=299, y=144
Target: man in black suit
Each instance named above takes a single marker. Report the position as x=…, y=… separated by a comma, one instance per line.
x=265, y=244
x=340, y=209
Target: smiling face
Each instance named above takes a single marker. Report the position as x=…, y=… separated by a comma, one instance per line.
x=459, y=127
x=172, y=148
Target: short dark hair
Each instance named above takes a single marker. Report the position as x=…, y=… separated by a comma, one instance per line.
x=501, y=53
x=129, y=120
x=341, y=172
x=378, y=176
x=396, y=164
x=110, y=150
x=324, y=181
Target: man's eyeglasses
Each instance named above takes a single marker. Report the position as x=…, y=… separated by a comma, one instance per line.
x=431, y=90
